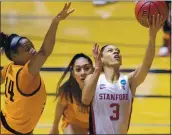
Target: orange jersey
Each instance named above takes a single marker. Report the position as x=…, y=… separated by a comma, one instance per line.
x=73, y=114
x=22, y=111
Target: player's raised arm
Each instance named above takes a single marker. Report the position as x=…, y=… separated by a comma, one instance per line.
x=139, y=75
x=49, y=41
x=91, y=80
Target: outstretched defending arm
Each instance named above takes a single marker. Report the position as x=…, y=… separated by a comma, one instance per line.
x=49, y=41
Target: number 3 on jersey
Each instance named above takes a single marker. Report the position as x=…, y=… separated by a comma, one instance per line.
x=115, y=106
x=9, y=85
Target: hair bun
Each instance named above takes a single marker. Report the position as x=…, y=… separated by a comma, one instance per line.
x=3, y=40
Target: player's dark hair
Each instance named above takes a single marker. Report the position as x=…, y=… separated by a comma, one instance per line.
x=71, y=88
x=9, y=44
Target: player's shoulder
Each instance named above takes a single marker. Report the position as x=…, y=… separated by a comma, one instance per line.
x=23, y=68
x=8, y=67
x=15, y=68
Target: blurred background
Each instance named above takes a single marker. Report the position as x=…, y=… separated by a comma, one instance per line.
x=105, y=23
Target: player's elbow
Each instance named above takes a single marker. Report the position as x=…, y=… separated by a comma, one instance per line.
x=86, y=101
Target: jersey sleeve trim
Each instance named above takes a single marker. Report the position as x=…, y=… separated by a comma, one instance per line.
x=27, y=95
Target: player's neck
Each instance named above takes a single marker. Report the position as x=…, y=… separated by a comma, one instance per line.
x=112, y=74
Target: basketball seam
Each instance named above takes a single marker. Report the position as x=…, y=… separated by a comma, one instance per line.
x=156, y=7
x=141, y=8
x=149, y=10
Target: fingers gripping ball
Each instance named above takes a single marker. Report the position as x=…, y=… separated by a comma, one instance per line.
x=146, y=9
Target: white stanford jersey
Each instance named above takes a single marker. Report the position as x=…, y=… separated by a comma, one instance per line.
x=111, y=107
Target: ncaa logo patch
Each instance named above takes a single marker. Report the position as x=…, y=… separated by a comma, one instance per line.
x=123, y=82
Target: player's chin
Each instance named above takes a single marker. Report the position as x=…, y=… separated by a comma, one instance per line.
x=116, y=63
x=116, y=60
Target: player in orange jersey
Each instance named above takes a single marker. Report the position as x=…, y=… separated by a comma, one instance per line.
x=25, y=94
x=74, y=114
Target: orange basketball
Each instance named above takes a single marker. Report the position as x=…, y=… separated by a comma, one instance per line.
x=146, y=9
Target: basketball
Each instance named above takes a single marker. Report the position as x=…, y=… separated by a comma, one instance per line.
x=146, y=9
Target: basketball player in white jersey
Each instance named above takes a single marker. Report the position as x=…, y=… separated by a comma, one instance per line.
x=109, y=92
